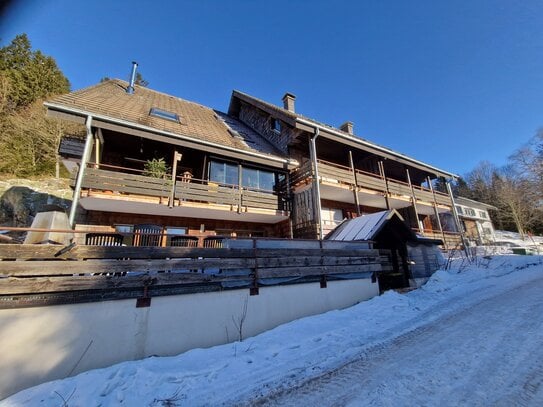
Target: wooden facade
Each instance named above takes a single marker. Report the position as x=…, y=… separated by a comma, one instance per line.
x=321, y=175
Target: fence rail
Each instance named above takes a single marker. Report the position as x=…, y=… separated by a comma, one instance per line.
x=344, y=175
x=186, y=190
x=33, y=275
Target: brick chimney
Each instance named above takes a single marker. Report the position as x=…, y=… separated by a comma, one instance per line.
x=347, y=127
x=288, y=102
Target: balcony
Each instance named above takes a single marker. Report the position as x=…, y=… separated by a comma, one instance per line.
x=118, y=189
x=337, y=184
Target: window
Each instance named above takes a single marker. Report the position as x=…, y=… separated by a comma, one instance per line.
x=175, y=230
x=258, y=179
x=164, y=114
x=276, y=125
x=172, y=231
x=255, y=178
x=331, y=216
x=223, y=173
x=470, y=212
x=127, y=232
x=482, y=214
x=459, y=210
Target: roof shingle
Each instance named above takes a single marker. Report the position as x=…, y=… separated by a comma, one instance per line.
x=110, y=99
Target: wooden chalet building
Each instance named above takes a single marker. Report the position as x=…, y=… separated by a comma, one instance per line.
x=260, y=170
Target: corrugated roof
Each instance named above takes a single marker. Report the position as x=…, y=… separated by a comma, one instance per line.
x=110, y=99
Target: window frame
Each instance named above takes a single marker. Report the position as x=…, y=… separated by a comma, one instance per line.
x=164, y=114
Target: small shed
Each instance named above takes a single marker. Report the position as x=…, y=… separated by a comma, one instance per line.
x=414, y=258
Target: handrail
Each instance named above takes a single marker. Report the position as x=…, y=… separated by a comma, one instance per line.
x=377, y=176
x=180, y=178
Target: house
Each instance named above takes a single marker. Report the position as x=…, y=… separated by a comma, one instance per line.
x=475, y=221
x=259, y=170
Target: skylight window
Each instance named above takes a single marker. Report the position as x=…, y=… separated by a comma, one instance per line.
x=164, y=114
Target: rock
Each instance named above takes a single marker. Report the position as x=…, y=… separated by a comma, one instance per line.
x=21, y=199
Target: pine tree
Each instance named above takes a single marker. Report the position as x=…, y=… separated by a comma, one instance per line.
x=29, y=75
x=28, y=140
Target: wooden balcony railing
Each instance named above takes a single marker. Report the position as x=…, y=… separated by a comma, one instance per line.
x=119, y=180
x=335, y=173
x=451, y=239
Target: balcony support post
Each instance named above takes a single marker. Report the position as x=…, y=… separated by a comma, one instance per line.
x=316, y=184
x=176, y=158
x=413, y=198
x=437, y=212
x=383, y=176
x=457, y=219
x=355, y=180
x=87, y=151
x=240, y=187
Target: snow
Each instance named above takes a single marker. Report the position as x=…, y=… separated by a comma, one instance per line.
x=450, y=308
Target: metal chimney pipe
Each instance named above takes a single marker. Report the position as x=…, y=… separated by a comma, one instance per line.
x=130, y=89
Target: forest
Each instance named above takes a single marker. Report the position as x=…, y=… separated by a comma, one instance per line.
x=29, y=142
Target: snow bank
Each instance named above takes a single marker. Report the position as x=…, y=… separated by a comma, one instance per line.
x=289, y=354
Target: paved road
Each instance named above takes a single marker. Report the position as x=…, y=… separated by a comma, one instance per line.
x=488, y=355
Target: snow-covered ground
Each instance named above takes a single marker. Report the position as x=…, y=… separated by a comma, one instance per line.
x=513, y=237
x=471, y=336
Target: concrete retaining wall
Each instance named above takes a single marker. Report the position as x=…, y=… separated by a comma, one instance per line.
x=46, y=343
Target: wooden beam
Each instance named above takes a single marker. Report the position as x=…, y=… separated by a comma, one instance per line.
x=355, y=186
x=81, y=252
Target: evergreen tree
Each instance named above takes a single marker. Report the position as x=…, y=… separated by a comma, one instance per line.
x=28, y=140
x=28, y=75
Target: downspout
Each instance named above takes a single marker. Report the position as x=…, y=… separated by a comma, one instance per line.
x=317, y=188
x=82, y=166
x=457, y=219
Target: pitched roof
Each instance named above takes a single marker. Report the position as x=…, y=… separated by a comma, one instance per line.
x=366, y=227
x=293, y=117
x=460, y=200
x=109, y=99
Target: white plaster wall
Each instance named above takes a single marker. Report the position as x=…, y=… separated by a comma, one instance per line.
x=46, y=343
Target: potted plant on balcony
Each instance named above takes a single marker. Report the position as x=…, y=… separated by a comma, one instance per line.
x=155, y=168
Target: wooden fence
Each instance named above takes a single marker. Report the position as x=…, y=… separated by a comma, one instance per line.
x=35, y=275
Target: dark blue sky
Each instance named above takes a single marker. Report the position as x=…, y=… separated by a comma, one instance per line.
x=450, y=83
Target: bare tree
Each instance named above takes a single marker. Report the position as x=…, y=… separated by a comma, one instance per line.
x=515, y=197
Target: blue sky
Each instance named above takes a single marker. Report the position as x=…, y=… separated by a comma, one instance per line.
x=450, y=83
